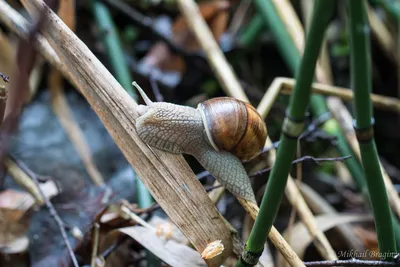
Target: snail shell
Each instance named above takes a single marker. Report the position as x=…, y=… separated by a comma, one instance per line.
x=233, y=125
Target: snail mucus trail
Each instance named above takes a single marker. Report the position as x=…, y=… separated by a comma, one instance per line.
x=219, y=134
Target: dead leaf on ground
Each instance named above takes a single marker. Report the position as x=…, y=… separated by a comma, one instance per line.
x=160, y=236
x=369, y=239
x=168, y=251
x=216, y=16
x=15, y=212
x=300, y=238
x=166, y=228
x=13, y=223
x=319, y=205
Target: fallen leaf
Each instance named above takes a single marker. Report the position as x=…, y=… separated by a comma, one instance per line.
x=369, y=239
x=14, y=219
x=168, y=251
x=16, y=246
x=300, y=238
x=215, y=14
x=319, y=205
x=167, y=229
x=15, y=213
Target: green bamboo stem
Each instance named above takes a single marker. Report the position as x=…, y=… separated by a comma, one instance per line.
x=298, y=103
x=317, y=103
x=267, y=14
x=113, y=46
x=251, y=32
x=361, y=84
x=121, y=71
x=292, y=58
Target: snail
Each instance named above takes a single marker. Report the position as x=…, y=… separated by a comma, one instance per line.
x=220, y=133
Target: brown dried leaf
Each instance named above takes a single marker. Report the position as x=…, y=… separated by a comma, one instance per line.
x=215, y=14
x=15, y=212
x=167, y=229
x=13, y=223
x=17, y=245
x=369, y=239
x=16, y=201
x=300, y=238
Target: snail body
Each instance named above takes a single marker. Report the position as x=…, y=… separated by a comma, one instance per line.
x=219, y=134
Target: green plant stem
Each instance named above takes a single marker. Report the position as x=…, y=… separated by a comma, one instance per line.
x=252, y=31
x=292, y=57
x=113, y=46
x=267, y=14
x=317, y=103
x=361, y=84
x=298, y=103
x=120, y=69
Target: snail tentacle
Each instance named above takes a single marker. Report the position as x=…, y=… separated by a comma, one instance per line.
x=146, y=99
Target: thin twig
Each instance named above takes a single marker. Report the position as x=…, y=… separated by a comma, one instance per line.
x=114, y=246
x=266, y=150
x=204, y=174
x=318, y=160
x=52, y=211
x=304, y=159
x=379, y=101
x=211, y=188
x=95, y=244
x=4, y=77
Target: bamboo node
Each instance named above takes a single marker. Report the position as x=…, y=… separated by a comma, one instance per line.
x=250, y=258
x=366, y=134
x=292, y=128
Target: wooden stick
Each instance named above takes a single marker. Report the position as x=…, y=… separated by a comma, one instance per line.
x=379, y=101
x=167, y=176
